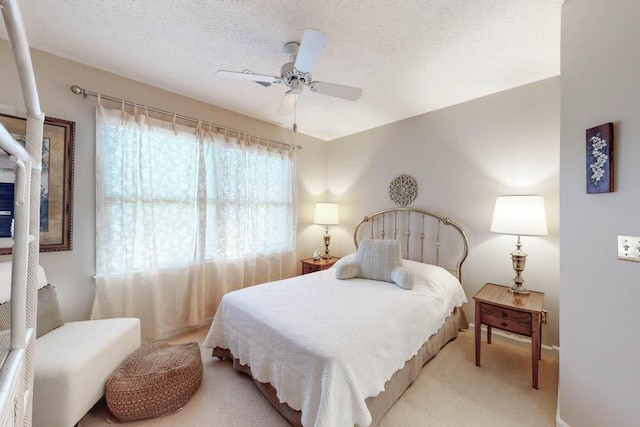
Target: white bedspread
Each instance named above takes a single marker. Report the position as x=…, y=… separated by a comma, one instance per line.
x=327, y=344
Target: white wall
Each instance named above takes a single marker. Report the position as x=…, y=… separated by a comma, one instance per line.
x=600, y=343
x=462, y=158
x=72, y=271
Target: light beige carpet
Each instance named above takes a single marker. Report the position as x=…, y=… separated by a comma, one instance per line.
x=451, y=391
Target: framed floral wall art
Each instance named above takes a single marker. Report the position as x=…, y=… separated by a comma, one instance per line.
x=600, y=159
x=56, y=187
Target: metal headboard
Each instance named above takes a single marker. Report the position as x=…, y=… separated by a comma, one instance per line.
x=394, y=222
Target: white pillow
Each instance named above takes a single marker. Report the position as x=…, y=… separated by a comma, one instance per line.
x=377, y=258
x=438, y=279
x=403, y=277
x=347, y=270
x=5, y=280
x=345, y=259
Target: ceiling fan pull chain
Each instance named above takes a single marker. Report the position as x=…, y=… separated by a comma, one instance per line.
x=295, y=111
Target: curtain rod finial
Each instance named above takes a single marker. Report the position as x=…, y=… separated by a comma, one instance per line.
x=78, y=90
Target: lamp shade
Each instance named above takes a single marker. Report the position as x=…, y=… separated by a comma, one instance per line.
x=326, y=214
x=520, y=215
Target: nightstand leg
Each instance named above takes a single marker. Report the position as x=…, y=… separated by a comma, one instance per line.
x=535, y=348
x=540, y=346
x=488, y=334
x=478, y=330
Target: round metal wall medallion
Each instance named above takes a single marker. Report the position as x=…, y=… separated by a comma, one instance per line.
x=403, y=190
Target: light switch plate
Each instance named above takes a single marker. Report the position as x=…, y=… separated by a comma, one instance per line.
x=629, y=248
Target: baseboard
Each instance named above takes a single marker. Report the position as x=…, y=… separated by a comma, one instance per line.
x=514, y=337
x=560, y=423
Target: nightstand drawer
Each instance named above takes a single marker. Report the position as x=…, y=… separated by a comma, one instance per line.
x=309, y=268
x=310, y=265
x=504, y=318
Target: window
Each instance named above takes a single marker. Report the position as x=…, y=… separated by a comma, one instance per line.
x=166, y=195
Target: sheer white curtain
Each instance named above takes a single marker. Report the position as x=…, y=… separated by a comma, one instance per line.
x=184, y=216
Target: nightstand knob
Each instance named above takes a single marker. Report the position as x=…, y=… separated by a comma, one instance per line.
x=504, y=314
x=504, y=325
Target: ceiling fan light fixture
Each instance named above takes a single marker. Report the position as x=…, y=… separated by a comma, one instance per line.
x=296, y=85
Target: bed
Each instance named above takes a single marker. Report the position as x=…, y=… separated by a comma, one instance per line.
x=331, y=352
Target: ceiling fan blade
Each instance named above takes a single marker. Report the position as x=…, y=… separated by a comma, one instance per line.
x=313, y=42
x=248, y=75
x=340, y=91
x=287, y=103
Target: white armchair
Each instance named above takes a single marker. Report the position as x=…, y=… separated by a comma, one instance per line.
x=73, y=361
x=72, y=365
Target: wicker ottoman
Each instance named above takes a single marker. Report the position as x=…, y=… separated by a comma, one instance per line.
x=157, y=379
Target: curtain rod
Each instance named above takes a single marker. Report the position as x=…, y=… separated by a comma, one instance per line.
x=80, y=91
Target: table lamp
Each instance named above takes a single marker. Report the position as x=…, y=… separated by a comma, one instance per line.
x=326, y=214
x=520, y=216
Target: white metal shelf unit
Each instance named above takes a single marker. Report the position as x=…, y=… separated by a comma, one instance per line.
x=14, y=392
x=17, y=369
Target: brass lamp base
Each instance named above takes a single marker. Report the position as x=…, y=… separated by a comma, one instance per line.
x=518, y=290
x=518, y=259
x=327, y=239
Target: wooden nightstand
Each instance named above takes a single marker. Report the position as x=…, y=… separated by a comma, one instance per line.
x=496, y=307
x=309, y=265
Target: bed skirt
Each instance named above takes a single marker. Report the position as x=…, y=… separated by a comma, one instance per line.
x=393, y=388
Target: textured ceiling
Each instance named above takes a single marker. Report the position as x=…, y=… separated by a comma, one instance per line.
x=409, y=57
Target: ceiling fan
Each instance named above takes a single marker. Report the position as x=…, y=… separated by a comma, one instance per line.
x=296, y=75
